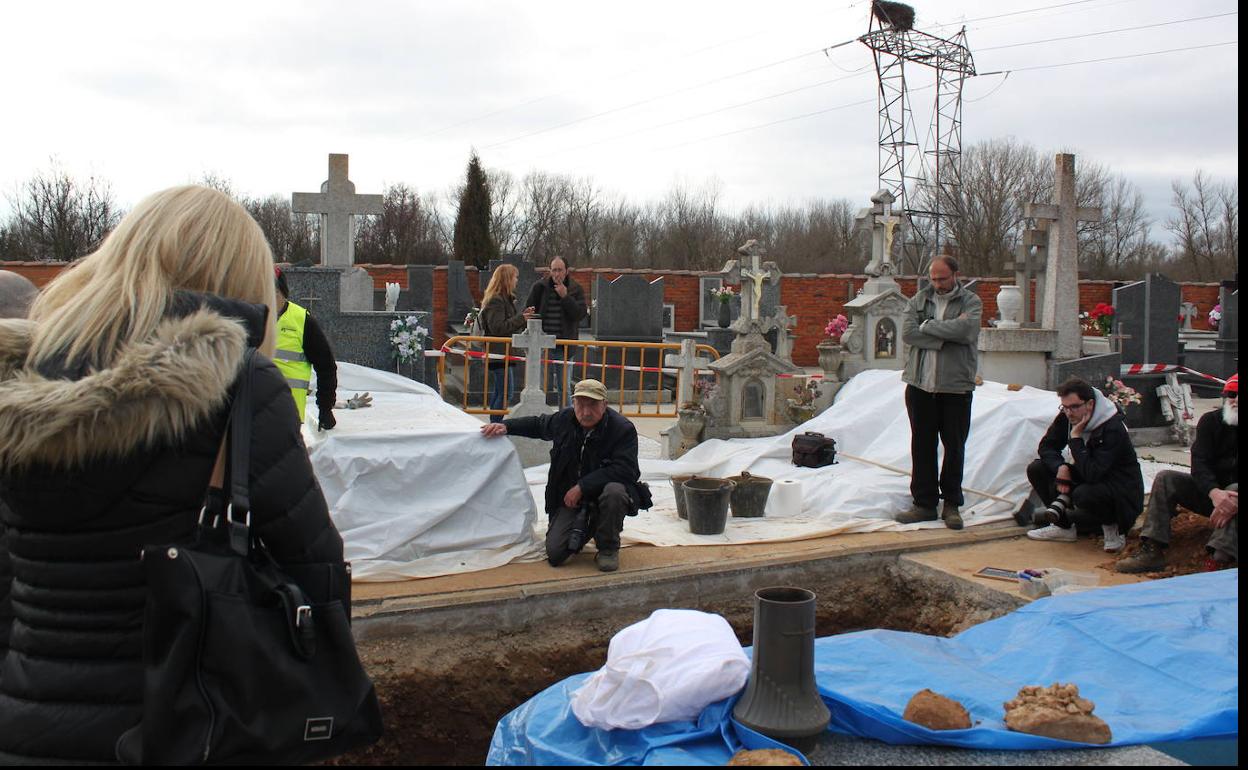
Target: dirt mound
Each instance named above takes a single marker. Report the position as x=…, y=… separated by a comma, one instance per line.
x=1186, y=553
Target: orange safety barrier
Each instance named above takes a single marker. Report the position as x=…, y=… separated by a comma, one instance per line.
x=643, y=402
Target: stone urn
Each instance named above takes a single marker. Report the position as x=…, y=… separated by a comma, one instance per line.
x=690, y=421
x=725, y=315
x=1010, y=303
x=830, y=354
x=799, y=412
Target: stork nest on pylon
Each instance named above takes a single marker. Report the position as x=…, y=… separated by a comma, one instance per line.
x=896, y=15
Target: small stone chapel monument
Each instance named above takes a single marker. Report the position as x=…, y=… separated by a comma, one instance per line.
x=746, y=405
x=873, y=339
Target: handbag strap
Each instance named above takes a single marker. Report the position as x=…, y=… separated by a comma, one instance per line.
x=240, y=440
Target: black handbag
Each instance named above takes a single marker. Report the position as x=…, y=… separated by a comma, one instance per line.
x=246, y=661
x=813, y=450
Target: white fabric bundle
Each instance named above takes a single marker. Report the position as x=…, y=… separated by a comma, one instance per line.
x=665, y=668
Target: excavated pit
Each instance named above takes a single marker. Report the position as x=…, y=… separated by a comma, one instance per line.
x=444, y=686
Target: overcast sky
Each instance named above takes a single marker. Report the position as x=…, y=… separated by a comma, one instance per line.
x=152, y=94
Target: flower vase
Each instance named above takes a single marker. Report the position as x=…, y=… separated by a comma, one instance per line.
x=690, y=422
x=830, y=354
x=1010, y=305
x=725, y=315
x=799, y=412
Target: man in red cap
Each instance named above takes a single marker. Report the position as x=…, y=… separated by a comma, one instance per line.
x=1212, y=489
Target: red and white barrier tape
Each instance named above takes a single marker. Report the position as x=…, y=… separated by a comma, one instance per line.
x=1133, y=369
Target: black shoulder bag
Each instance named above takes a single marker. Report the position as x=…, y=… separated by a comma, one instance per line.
x=246, y=661
x=813, y=450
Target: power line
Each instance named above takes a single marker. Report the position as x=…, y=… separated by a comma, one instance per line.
x=1113, y=58
x=1109, y=31
x=678, y=91
x=983, y=74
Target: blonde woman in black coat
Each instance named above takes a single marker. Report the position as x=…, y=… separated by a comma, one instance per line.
x=113, y=405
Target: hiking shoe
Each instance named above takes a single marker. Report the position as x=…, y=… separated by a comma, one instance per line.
x=1114, y=542
x=915, y=515
x=608, y=561
x=1054, y=533
x=953, y=519
x=1150, y=558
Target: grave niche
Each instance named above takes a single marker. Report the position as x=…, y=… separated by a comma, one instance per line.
x=885, y=339
x=753, y=400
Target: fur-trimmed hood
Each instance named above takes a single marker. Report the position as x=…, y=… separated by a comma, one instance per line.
x=153, y=393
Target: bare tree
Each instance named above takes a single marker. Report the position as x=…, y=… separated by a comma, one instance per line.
x=294, y=238
x=1206, y=226
x=1115, y=246
x=405, y=233
x=57, y=217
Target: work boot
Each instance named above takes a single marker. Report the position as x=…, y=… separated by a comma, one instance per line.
x=608, y=561
x=953, y=519
x=1150, y=558
x=916, y=514
x=1025, y=514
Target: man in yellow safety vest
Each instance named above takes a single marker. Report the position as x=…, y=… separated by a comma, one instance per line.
x=301, y=348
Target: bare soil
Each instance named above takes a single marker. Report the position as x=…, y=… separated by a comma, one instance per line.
x=1186, y=554
x=442, y=696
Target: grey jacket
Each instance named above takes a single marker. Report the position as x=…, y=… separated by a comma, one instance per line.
x=952, y=345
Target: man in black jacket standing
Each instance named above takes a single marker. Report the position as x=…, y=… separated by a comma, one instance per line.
x=593, y=481
x=560, y=302
x=1102, y=478
x=1212, y=489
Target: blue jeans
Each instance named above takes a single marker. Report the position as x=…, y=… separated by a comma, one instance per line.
x=497, y=400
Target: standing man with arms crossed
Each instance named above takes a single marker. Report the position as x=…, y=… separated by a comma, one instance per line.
x=941, y=331
x=560, y=302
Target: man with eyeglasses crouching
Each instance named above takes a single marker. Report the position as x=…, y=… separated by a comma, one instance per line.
x=1087, y=470
x=1211, y=489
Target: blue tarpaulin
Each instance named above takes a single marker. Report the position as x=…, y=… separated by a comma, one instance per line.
x=1159, y=659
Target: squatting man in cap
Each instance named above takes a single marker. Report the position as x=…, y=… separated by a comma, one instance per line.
x=1211, y=489
x=594, y=478
x=1101, y=479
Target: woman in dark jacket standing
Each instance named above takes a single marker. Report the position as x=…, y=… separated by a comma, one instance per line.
x=499, y=318
x=113, y=405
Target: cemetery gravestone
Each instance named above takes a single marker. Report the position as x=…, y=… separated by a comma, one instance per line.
x=338, y=204
x=1060, y=301
x=1148, y=312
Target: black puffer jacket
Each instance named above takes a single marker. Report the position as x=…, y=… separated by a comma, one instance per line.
x=95, y=465
x=609, y=454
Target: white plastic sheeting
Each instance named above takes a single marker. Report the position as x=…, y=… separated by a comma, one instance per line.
x=414, y=488
x=666, y=668
x=869, y=422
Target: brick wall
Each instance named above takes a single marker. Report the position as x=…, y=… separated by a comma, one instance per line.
x=813, y=299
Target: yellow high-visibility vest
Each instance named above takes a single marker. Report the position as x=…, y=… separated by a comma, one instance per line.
x=289, y=356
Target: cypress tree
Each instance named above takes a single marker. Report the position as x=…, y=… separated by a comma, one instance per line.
x=473, y=242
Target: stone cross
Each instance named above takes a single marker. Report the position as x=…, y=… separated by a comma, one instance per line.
x=1189, y=311
x=1060, y=309
x=1117, y=338
x=883, y=225
x=337, y=204
x=782, y=322
x=1028, y=266
x=534, y=342
x=689, y=363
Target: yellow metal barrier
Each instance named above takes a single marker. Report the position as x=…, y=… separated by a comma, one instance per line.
x=616, y=363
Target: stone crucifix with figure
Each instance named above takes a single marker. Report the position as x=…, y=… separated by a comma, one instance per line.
x=338, y=205
x=885, y=227
x=752, y=279
x=1059, y=308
